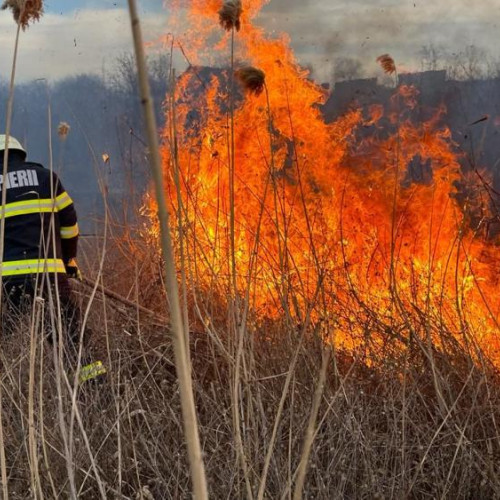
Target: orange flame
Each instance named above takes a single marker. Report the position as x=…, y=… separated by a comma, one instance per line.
x=364, y=218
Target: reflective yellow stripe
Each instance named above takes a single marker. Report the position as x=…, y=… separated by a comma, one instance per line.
x=92, y=371
x=68, y=232
x=32, y=266
x=63, y=201
x=27, y=207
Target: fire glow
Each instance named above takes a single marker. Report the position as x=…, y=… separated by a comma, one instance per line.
x=343, y=220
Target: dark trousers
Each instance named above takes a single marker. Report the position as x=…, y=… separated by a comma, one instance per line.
x=18, y=297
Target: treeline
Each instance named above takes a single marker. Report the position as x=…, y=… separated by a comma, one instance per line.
x=104, y=150
x=470, y=62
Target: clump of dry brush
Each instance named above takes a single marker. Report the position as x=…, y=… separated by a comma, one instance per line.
x=229, y=15
x=24, y=11
x=252, y=80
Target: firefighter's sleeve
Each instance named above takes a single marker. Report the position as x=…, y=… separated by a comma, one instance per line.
x=68, y=223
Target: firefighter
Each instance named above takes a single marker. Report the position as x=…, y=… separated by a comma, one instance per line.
x=40, y=241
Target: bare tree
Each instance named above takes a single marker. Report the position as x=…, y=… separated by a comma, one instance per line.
x=468, y=64
x=432, y=57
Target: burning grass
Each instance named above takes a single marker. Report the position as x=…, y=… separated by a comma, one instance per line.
x=365, y=211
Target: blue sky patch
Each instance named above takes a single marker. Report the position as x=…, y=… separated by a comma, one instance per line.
x=65, y=6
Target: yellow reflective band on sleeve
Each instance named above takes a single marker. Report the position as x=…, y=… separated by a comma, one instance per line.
x=68, y=232
x=32, y=266
x=27, y=207
x=63, y=201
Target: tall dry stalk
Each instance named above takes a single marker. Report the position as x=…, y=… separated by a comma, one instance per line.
x=174, y=145
x=181, y=358
x=229, y=18
x=311, y=426
x=56, y=312
x=388, y=65
x=35, y=329
x=252, y=81
x=24, y=11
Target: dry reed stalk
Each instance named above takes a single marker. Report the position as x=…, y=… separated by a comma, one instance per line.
x=56, y=316
x=41, y=413
x=387, y=63
x=253, y=80
x=341, y=389
x=36, y=322
x=181, y=357
x=437, y=433
x=229, y=18
x=310, y=432
x=59, y=343
x=63, y=130
x=279, y=412
x=57, y=358
x=286, y=290
x=8, y=124
x=88, y=447
x=2, y=450
x=389, y=66
x=180, y=203
x=24, y=11
x=230, y=14
x=74, y=388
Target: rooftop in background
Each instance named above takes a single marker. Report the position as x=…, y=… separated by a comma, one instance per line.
x=434, y=89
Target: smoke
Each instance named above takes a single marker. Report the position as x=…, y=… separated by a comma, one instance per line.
x=325, y=32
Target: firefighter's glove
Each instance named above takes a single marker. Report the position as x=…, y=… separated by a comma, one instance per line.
x=73, y=271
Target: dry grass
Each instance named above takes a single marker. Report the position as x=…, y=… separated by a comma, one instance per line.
x=380, y=432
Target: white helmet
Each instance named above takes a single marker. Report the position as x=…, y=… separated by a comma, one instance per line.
x=14, y=144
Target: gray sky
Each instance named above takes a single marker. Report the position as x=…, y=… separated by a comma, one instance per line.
x=322, y=30
x=76, y=36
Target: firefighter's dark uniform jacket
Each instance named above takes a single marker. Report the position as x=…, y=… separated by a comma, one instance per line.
x=41, y=230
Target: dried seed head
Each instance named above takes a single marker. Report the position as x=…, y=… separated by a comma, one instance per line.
x=387, y=63
x=24, y=11
x=63, y=130
x=229, y=15
x=252, y=79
